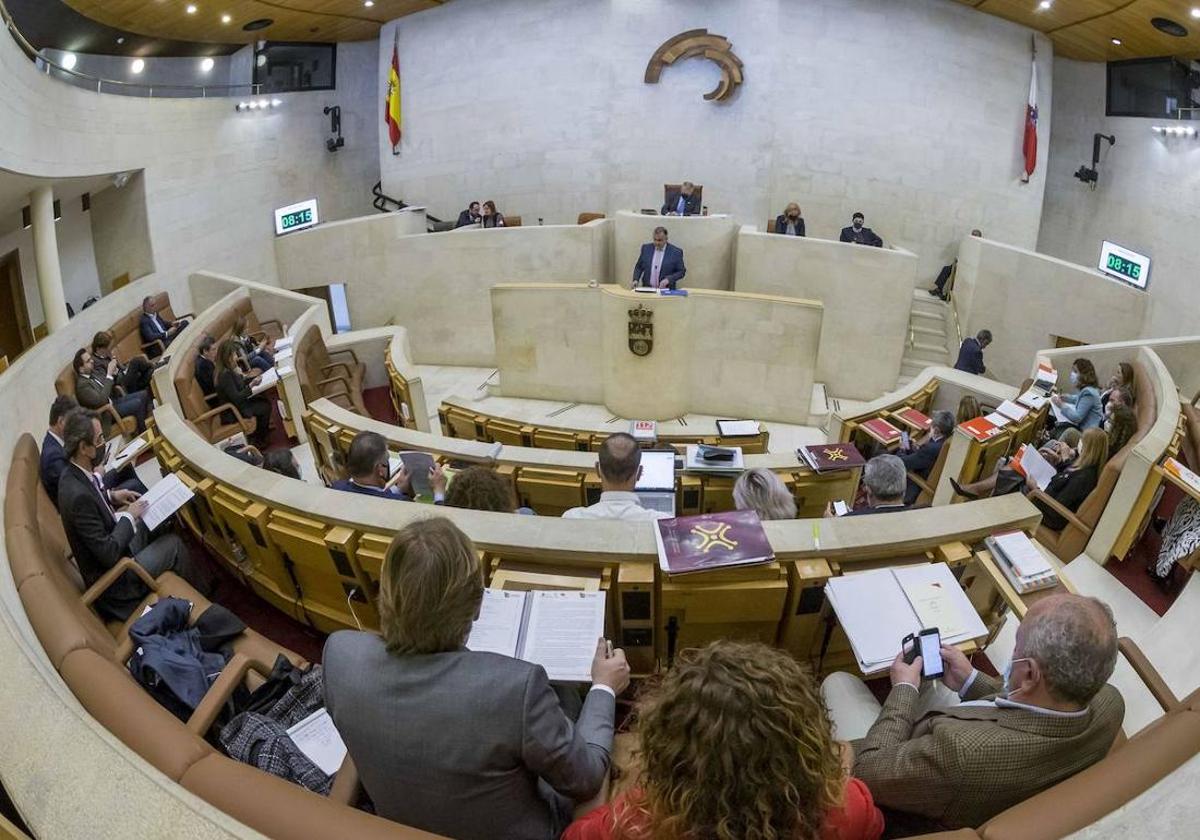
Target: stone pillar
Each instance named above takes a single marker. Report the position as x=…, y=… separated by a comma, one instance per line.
x=45, y=250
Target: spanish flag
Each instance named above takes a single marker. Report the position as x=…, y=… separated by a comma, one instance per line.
x=391, y=106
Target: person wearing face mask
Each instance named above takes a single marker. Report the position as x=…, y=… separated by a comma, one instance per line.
x=858, y=234
x=1082, y=408
x=953, y=754
x=790, y=223
x=103, y=526
x=1120, y=425
x=369, y=470
x=682, y=202
x=1120, y=381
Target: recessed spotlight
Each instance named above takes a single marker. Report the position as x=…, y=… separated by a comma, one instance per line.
x=206, y=64
x=226, y=18
x=68, y=61
x=1196, y=13
x=121, y=40
x=261, y=61
x=1045, y=4
x=1116, y=42
x=137, y=66
x=368, y=3
x=191, y=9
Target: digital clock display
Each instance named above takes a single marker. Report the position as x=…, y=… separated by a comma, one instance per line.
x=1123, y=264
x=296, y=217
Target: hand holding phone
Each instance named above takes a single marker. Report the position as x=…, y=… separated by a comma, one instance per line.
x=928, y=645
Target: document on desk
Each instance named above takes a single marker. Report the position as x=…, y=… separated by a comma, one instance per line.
x=319, y=740
x=1058, y=413
x=561, y=633
x=265, y=382
x=556, y=629
x=937, y=599
x=1029, y=462
x=283, y=343
x=163, y=499
x=1026, y=558
x=128, y=452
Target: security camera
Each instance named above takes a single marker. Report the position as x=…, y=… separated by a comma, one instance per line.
x=1090, y=175
x=334, y=112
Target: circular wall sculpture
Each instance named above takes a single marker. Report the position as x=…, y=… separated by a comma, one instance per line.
x=697, y=43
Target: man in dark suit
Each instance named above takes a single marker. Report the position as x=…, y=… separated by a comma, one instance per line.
x=883, y=479
x=683, y=201
x=858, y=234
x=154, y=327
x=487, y=748
x=470, y=216
x=660, y=264
x=93, y=389
x=958, y=764
x=206, y=365
x=921, y=459
x=970, y=353
x=790, y=222
x=131, y=376
x=370, y=472
x=105, y=525
x=54, y=460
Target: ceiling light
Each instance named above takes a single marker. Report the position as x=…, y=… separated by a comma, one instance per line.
x=261, y=60
x=138, y=65
x=275, y=103
x=1045, y=4
x=226, y=18
x=1116, y=42
x=206, y=64
x=68, y=61
x=1196, y=13
x=191, y=9
x=121, y=40
x=368, y=3
x=241, y=106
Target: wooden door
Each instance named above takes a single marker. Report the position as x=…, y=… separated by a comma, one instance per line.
x=15, y=333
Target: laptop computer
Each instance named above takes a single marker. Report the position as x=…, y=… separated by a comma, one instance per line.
x=656, y=487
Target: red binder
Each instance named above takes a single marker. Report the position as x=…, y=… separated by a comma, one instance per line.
x=881, y=430
x=980, y=428
x=913, y=418
x=827, y=457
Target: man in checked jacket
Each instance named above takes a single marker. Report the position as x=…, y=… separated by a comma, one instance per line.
x=954, y=766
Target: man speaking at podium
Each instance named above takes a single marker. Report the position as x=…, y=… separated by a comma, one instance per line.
x=660, y=265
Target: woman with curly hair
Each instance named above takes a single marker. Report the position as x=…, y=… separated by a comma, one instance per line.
x=735, y=744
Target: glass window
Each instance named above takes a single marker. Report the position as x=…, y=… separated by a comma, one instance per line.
x=282, y=66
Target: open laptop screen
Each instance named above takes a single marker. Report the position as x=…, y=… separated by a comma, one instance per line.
x=658, y=471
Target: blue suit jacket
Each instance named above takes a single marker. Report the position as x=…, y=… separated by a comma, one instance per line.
x=970, y=357
x=691, y=203
x=151, y=330
x=671, y=271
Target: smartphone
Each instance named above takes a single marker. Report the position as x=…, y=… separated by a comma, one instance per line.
x=840, y=508
x=905, y=440
x=928, y=645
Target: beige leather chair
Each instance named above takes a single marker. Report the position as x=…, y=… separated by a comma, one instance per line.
x=320, y=375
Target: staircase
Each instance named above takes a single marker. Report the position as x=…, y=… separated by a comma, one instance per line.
x=929, y=342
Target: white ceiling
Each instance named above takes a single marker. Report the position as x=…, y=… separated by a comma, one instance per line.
x=15, y=190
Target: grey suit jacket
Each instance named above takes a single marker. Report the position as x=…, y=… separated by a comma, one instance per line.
x=456, y=742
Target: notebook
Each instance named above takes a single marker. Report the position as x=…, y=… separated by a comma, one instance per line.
x=268, y=380
x=882, y=430
x=980, y=428
x=319, y=740
x=1022, y=562
x=656, y=486
x=1012, y=410
x=557, y=629
x=913, y=418
x=711, y=541
x=419, y=464
x=827, y=457
x=737, y=428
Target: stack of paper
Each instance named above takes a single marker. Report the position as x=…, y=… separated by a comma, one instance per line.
x=163, y=499
x=1012, y=411
x=737, y=428
x=1029, y=462
x=266, y=382
x=997, y=419
x=1033, y=399
x=877, y=609
x=1022, y=562
x=283, y=343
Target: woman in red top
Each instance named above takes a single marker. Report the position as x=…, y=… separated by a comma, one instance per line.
x=735, y=744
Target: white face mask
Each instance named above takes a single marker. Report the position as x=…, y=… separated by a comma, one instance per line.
x=1074, y=378
x=1008, y=674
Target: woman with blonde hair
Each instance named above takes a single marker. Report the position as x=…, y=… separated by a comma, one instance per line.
x=461, y=743
x=763, y=491
x=790, y=222
x=968, y=409
x=735, y=744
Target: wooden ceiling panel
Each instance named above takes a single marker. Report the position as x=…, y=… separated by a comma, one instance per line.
x=294, y=20
x=1084, y=29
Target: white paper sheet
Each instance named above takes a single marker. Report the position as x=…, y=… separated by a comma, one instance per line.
x=498, y=627
x=874, y=613
x=1012, y=410
x=283, y=355
x=163, y=499
x=266, y=381
x=945, y=607
x=283, y=343
x=1037, y=467
x=562, y=633
x=318, y=738
x=1023, y=555
x=737, y=428
x=1032, y=399
x=1058, y=413
x=127, y=452
x=998, y=420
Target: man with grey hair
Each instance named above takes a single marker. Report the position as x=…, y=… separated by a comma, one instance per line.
x=946, y=765
x=920, y=460
x=884, y=479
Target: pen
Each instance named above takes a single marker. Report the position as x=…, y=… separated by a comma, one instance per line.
x=817, y=535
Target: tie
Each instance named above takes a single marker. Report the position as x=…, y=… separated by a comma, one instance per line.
x=99, y=485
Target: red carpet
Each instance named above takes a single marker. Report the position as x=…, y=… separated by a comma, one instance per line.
x=377, y=400
x=1132, y=569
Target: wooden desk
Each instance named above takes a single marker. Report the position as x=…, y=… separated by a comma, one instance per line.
x=1015, y=601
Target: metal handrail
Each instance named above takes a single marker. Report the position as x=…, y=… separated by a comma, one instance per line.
x=46, y=64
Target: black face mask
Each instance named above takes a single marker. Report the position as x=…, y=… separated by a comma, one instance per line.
x=858, y=224
x=100, y=455
x=794, y=216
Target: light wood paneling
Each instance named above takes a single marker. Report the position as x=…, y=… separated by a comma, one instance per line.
x=1084, y=29
x=295, y=20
